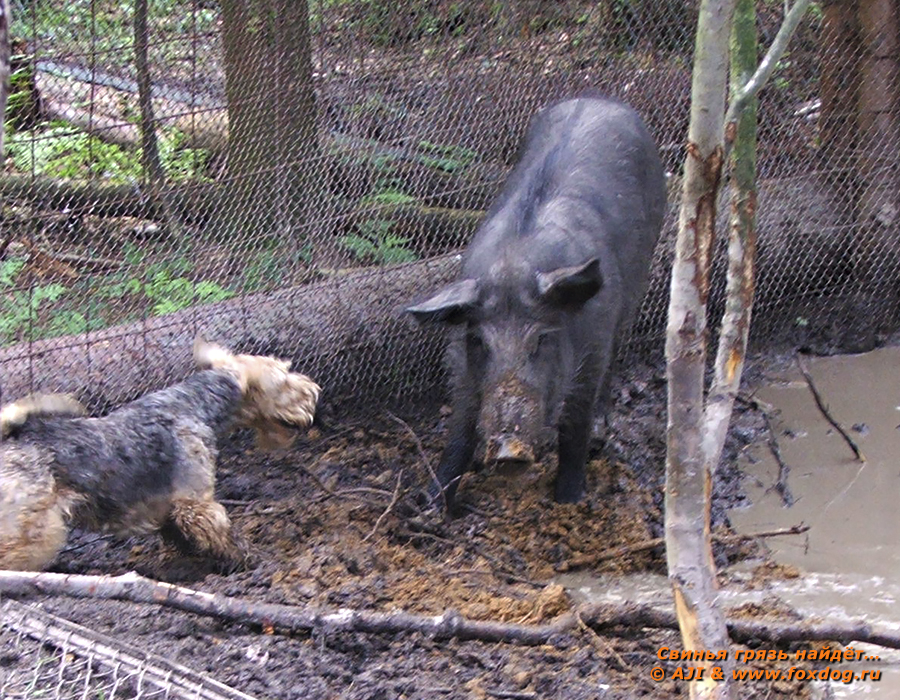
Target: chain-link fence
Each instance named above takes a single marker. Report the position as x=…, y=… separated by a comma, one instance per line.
x=285, y=178
x=48, y=657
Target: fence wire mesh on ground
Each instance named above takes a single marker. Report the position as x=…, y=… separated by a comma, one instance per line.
x=45, y=656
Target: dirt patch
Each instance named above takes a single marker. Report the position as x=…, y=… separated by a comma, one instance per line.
x=335, y=523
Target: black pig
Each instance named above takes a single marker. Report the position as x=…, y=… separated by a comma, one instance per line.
x=550, y=282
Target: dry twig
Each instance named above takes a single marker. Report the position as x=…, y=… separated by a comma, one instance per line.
x=510, y=694
x=422, y=454
x=780, y=486
x=387, y=510
x=500, y=568
x=578, y=562
x=824, y=409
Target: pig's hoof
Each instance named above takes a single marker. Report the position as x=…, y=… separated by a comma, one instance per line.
x=568, y=494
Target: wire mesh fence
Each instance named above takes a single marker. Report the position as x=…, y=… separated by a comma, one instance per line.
x=48, y=657
x=286, y=176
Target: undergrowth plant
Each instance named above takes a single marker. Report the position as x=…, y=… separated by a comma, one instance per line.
x=58, y=150
x=375, y=241
x=163, y=285
x=95, y=302
x=19, y=308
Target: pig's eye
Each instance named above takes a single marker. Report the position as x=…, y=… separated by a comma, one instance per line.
x=475, y=341
x=545, y=340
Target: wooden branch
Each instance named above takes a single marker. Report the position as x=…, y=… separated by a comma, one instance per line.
x=291, y=619
x=617, y=552
x=770, y=61
x=423, y=456
x=286, y=618
x=603, y=616
x=824, y=409
x=781, y=485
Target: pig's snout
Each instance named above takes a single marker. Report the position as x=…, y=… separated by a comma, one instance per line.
x=509, y=450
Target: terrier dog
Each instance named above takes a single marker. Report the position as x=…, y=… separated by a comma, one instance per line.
x=147, y=466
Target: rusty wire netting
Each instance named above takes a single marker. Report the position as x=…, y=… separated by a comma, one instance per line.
x=48, y=657
x=286, y=181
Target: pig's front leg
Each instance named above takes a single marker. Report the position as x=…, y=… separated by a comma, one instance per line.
x=462, y=439
x=575, y=436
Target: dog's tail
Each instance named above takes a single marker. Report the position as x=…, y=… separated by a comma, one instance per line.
x=15, y=416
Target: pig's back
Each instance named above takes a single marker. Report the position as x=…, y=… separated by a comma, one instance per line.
x=589, y=182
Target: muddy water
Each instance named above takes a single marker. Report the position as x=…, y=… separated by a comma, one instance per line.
x=851, y=554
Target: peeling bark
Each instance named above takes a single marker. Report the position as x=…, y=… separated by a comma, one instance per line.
x=688, y=482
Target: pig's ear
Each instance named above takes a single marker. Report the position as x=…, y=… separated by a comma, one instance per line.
x=570, y=286
x=450, y=305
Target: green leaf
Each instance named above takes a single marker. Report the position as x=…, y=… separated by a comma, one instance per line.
x=9, y=269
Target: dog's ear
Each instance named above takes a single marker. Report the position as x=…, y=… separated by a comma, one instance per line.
x=209, y=355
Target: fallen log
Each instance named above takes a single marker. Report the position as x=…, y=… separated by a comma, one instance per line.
x=438, y=179
x=348, y=332
x=273, y=617
x=63, y=89
x=195, y=201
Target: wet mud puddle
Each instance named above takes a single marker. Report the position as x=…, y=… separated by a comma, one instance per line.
x=849, y=560
x=850, y=557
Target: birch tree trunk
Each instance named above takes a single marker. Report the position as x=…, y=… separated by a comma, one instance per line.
x=740, y=274
x=688, y=481
x=697, y=428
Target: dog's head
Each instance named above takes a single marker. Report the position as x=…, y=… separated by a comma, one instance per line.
x=274, y=399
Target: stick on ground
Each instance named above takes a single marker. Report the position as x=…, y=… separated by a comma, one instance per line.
x=289, y=618
x=824, y=409
x=616, y=552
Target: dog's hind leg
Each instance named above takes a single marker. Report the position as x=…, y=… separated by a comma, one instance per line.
x=33, y=510
x=202, y=527
x=38, y=536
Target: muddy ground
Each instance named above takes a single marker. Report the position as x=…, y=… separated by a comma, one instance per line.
x=334, y=523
